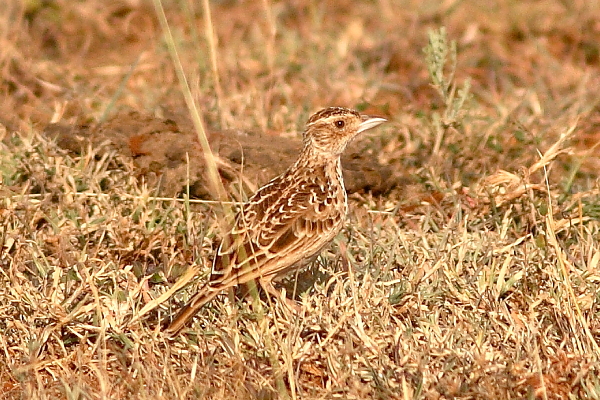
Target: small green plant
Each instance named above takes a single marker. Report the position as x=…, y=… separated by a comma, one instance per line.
x=440, y=57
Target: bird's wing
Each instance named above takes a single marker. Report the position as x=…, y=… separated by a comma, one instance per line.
x=275, y=230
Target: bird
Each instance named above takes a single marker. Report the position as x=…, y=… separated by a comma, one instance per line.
x=288, y=221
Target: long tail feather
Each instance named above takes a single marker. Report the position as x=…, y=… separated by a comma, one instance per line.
x=190, y=309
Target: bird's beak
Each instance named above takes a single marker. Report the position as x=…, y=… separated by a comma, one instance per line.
x=370, y=122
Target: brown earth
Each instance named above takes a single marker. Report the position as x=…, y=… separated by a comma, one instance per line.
x=160, y=149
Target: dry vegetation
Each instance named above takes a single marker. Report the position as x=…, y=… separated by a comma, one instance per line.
x=478, y=278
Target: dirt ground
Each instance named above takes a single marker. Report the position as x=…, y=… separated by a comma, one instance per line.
x=161, y=151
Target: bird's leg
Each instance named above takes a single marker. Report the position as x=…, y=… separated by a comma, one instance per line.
x=291, y=305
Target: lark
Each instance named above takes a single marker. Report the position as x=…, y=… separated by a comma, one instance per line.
x=289, y=221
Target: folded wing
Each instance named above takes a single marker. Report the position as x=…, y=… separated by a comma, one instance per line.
x=275, y=231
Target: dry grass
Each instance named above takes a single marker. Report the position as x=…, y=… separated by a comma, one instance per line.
x=478, y=279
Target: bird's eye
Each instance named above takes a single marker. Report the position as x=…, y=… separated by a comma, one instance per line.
x=340, y=123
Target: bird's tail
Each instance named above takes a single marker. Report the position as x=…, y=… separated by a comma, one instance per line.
x=205, y=295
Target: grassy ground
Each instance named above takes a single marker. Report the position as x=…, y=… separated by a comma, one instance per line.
x=478, y=279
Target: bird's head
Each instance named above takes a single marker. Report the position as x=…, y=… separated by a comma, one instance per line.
x=329, y=131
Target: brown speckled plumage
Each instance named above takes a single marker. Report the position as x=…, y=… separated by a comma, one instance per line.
x=287, y=222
